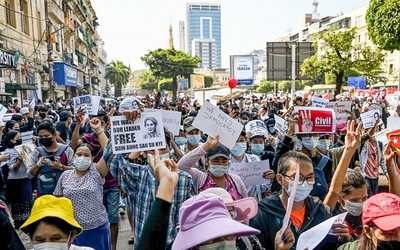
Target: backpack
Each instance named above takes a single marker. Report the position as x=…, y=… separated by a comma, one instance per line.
x=320, y=186
x=47, y=177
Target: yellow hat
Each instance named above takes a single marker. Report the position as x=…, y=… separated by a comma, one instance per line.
x=51, y=206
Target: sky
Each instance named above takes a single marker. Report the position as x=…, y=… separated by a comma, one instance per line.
x=132, y=28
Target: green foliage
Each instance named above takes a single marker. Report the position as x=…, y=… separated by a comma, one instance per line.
x=330, y=78
x=268, y=86
x=170, y=63
x=336, y=55
x=208, y=81
x=287, y=85
x=383, y=21
x=165, y=84
x=118, y=74
x=265, y=87
x=148, y=81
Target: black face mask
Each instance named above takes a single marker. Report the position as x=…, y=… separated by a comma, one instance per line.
x=342, y=138
x=18, y=142
x=42, y=115
x=47, y=142
x=388, y=245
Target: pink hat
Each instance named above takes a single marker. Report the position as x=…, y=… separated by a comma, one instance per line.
x=204, y=217
x=342, y=126
x=383, y=210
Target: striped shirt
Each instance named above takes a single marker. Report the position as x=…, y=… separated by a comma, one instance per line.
x=141, y=184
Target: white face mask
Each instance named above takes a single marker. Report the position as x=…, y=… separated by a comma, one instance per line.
x=51, y=246
x=82, y=163
x=220, y=245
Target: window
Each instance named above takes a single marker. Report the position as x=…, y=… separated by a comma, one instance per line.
x=24, y=17
x=10, y=12
x=358, y=21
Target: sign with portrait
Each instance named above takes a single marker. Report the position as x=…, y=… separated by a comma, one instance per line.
x=90, y=103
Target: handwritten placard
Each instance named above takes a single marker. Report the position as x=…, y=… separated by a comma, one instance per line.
x=251, y=173
x=27, y=137
x=171, y=119
x=212, y=121
x=340, y=109
x=145, y=133
x=312, y=237
x=3, y=111
x=257, y=127
x=90, y=103
x=319, y=102
x=281, y=124
x=369, y=118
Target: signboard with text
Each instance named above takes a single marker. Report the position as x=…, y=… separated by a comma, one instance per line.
x=315, y=120
x=242, y=68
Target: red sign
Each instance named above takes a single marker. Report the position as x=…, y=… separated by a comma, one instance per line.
x=315, y=120
x=394, y=136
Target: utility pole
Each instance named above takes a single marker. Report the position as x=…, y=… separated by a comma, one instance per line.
x=49, y=50
x=293, y=46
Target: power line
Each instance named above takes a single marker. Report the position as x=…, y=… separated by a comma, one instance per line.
x=21, y=13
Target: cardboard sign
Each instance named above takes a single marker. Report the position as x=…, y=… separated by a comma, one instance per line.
x=25, y=102
x=257, y=127
x=90, y=103
x=25, y=150
x=212, y=121
x=27, y=137
x=3, y=111
x=251, y=173
x=171, y=119
x=340, y=109
x=315, y=120
x=145, y=133
x=369, y=118
x=312, y=237
x=131, y=103
x=281, y=124
x=319, y=102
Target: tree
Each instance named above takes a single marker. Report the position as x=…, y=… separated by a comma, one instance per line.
x=383, y=22
x=335, y=54
x=170, y=63
x=165, y=84
x=208, y=81
x=265, y=87
x=287, y=85
x=118, y=74
x=148, y=81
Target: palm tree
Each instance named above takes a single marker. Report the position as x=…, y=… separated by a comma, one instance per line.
x=118, y=74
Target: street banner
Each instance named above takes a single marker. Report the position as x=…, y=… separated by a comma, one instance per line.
x=3, y=111
x=197, y=82
x=315, y=120
x=251, y=173
x=27, y=137
x=319, y=102
x=212, y=121
x=369, y=118
x=313, y=236
x=130, y=103
x=257, y=127
x=281, y=124
x=145, y=133
x=340, y=109
x=90, y=103
x=171, y=119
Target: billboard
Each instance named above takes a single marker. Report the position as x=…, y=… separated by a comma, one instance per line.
x=242, y=68
x=183, y=84
x=357, y=82
x=197, y=82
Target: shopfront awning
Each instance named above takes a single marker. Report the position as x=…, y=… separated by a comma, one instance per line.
x=20, y=86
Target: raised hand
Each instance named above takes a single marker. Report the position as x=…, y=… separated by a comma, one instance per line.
x=353, y=137
x=95, y=123
x=80, y=115
x=148, y=101
x=293, y=120
x=132, y=115
x=210, y=143
x=165, y=170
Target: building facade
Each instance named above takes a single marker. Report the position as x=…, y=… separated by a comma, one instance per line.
x=204, y=22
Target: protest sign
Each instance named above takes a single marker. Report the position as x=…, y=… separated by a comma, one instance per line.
x=393, y=123
x=3, y=111
x=25, y=150
x=130, y=103
x=315, y=120
x=212, y=121
x=286, y=218
x=319, y=102
x=312, y=237
x=256, y=127
x=281, y=124
x=171, y=119
x=27, y=137
x=394, y=137
x=251, y=173
x=25, y=102
x=145, y=133
x=32, y=103
x=90, y=103
x=340, y=109
x=369, y=118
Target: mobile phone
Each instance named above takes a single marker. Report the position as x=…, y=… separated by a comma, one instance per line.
x=50, y=158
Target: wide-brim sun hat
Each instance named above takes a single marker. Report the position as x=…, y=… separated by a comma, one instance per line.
x=205, y=217
x=51, y=206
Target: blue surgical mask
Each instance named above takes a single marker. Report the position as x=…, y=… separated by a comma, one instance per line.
x=302, y=190
x=309, y=143
x=180, y=141
x=193, y=139
x=239, y=148
x=257, y=148
x=323, y=144
x=218, y=170
x=271, y=130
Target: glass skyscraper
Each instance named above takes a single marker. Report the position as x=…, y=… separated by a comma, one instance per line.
x=203, y=33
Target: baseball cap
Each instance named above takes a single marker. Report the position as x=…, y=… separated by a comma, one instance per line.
x=217, y=151
x=341, y=126
x=16, y=117
x=205, y=217
x=383, y=210
x=51, y=206
x=245, y=208
x=187, y=124
x=64, y=115
x=24, y=111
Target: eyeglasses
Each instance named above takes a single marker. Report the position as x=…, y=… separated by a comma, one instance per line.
x=310, y=180
x=308, y=136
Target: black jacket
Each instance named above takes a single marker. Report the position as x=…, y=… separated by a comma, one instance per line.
x=270, y=216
